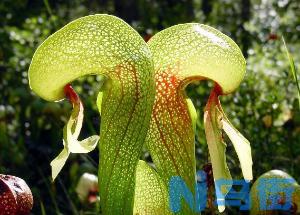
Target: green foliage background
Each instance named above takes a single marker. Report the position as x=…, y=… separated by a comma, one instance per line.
x=264, y=108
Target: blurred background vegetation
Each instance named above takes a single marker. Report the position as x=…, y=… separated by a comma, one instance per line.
x=264, y=108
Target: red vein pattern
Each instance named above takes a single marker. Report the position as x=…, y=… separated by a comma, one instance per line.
x=184, y=53
x=104, y=45
x=171, y=136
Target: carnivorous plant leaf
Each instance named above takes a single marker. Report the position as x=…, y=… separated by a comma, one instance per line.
x=137, y=75
x=151, y=195
x=103, y=45
x=182, y=54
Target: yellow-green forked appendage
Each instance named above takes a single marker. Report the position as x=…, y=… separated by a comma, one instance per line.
x=102, y=45
x=182, y=54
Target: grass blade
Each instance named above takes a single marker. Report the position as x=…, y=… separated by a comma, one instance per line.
x=292, y=69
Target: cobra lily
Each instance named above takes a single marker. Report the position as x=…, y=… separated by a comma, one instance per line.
x=136, y=75
x=183, y=54
x=103, y=45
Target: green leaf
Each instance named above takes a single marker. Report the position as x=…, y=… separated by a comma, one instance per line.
x=182, y=54
x=193, y=112
x=107, y=46
x=151, y=195
x=99, y=101
x=95, y=44
x=194, y=51
x=293, y=69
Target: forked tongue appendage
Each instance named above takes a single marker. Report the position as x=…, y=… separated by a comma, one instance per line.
x=71, y=132
x=215, y=121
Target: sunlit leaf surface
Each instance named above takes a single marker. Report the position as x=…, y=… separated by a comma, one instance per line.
x=103, y=45
x=182, y=54
x=151, y=195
